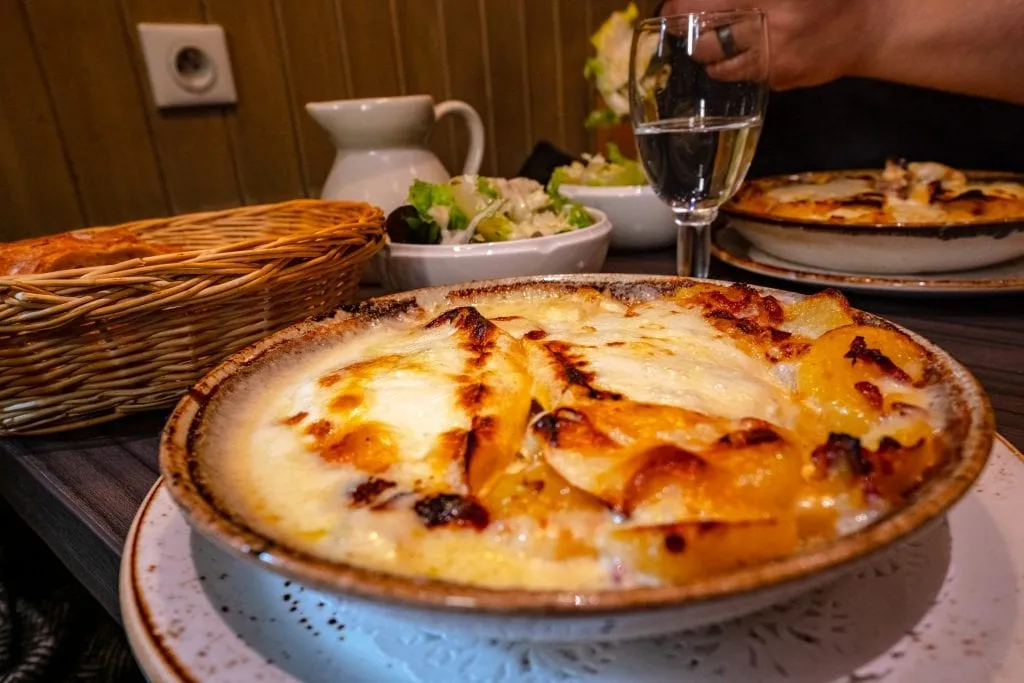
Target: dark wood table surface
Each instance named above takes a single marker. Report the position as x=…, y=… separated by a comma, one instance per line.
x=79, y=490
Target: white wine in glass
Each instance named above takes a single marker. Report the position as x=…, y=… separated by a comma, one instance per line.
x=698, y=91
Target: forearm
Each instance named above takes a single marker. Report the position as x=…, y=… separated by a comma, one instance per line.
x=974, y=48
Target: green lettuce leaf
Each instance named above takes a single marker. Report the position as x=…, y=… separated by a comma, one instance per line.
x=579, y=217
x=424, y=196
x=615, y=155
x=485, y=188
x=558, y=177
x=496, y=228
x=601, y=118
x=593, y=68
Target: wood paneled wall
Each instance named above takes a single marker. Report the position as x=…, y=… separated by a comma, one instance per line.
x=81, y=142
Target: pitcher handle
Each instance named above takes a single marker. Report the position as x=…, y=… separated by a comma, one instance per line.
x=475, y=155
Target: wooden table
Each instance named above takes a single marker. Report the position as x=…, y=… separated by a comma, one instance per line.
x=79, y=491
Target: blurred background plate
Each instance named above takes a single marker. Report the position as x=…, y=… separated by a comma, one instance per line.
x=731, y=247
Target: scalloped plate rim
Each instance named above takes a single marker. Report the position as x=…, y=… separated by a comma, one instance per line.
x=743, y=255
x=157, y=659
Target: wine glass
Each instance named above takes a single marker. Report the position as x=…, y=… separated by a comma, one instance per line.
x=698, y=87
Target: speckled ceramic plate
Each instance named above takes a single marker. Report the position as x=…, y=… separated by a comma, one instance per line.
x=941, y=608
x=731, y=247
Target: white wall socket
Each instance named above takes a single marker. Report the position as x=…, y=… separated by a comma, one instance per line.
x=188, y=64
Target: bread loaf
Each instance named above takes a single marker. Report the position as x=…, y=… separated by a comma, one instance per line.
x=78, y=249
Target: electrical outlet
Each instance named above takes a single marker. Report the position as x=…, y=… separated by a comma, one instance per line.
x=188, y=64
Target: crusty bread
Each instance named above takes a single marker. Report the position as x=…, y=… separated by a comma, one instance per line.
x=78, y=249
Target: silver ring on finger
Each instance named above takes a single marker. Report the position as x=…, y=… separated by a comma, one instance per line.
x=727, y=41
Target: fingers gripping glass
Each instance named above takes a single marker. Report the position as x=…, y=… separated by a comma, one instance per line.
x=698, y=88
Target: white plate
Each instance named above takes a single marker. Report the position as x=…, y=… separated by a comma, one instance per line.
x=731, y=247
x=942, y=608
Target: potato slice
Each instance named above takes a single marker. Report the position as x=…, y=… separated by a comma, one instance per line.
x=815, y=315
x=678, y=553
x=848, y=371
x=659, y=464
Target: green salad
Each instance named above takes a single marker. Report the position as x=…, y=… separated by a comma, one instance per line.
x=608, y=69
x=612, y=169
x=470, y=209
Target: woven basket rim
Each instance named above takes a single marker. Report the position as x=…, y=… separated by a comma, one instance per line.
x=93, y=274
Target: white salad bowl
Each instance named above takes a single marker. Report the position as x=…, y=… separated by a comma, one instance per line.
x=641, y=220
x=413, y=266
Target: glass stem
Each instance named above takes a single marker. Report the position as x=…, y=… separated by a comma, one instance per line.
x=693, y=241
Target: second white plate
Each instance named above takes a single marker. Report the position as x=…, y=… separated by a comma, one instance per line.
x=731, y=247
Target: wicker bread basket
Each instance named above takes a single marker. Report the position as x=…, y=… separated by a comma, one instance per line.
x=84, y=346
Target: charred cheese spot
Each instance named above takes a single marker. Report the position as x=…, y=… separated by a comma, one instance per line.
x=567, y=427
x=738, y=300
x=674, y=543
x=367, y=492
x=471, y=395
x=889, y=471
x=842, y=455
x=478, y=335
x=572, y=371
x=751, y=433
x=859, y=351
x=897, y=469
x=871, y=394
x=750, y=318
x=445, y=509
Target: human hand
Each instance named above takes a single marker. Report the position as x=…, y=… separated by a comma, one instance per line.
x=811, y=41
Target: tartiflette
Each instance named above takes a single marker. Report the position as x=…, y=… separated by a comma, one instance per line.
x=901, y=194
x=573, y=437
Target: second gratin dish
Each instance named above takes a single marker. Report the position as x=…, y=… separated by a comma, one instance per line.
x=908, y=218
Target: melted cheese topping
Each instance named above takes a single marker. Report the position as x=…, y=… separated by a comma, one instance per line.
x=841, y=188
x=916, y=193
x=578, y=441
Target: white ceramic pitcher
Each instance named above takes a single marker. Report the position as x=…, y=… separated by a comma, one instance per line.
x=382, y=146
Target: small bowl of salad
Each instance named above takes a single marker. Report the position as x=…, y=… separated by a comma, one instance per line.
x=616, y=185
x=475, y=228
